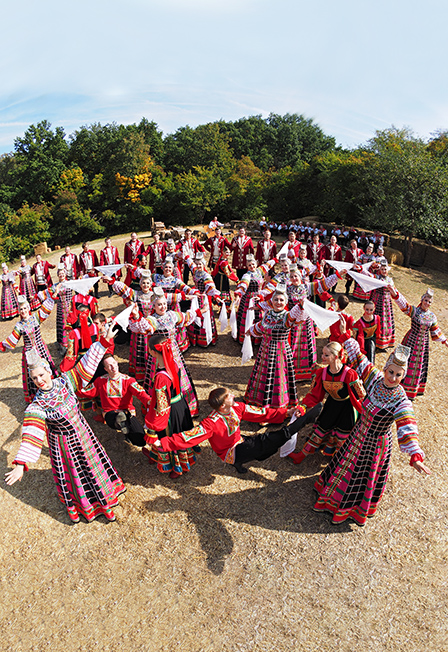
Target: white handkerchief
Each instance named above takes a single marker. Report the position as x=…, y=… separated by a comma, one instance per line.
x=367, y=283
x=82, y=285
x=109, y=270
x=232, y=322
x=322, y=317
x=122, y=319
x=223, y=321
x=289, y=446
x=339, y=265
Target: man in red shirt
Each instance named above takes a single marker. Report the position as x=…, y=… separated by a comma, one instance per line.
x=41, y=270
x=222, y=429
x=241, y=245
x=88, y=260
x=215, y=244
x=115, y=392
x=156, y=252
x=266, y=248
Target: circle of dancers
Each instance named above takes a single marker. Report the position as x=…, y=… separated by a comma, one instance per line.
x=284, y=294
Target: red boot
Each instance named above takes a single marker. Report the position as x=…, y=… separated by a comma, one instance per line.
x=297, y=458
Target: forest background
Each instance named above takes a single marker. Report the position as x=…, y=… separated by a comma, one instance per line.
x=108, y=179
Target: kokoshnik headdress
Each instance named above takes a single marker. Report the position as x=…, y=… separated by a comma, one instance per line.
x=34, y=360
x=399, y=357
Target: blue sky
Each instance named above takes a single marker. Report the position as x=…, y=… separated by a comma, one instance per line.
x=352, y=66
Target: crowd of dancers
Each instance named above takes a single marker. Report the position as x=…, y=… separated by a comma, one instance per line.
x=275, y=297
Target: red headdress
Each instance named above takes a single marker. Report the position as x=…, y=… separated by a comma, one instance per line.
x=165, y=348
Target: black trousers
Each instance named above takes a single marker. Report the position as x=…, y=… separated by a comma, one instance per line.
x=262, y=446
x=136, y=431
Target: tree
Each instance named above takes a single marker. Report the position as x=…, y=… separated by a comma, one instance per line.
x=21, y=230
x=408, y=187
x=203, y=147
x=40, y=158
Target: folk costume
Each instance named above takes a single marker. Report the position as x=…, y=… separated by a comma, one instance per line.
x=352, y=485
x=222, y=274
x=344, y=393
x=29, y=329
x=157, y=253
x=168, y=414
x=167, y=324
x=272, y=381
x=423, y=324
x=138, y=348
x=224, y=435
x=241, y=246
x=248, y=288
x=86, y=481
x=71, y=265
x=266, y=250
x=358, y=292
x=188, y=247
x=352, y=255
x=215, y=245
x=381, y=297
x=303, y=336
x=26, y=287
x=132, y=249
x=9, y=305
x=41, y=272
x=205, y=285
x=365, y=334
x=114, y=396
x=175, y=291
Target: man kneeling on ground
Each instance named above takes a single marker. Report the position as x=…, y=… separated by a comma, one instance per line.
x=222, y=429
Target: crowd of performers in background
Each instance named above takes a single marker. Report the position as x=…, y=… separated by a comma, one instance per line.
x=283, y=294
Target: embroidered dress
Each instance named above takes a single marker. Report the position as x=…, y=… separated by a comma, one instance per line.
x=167, y=325
x=138, y=348
x=302, y=339
x=358, y=292
x=32, y=338
x=63, y=307
x=423, y=324
x=353, y=483
x=27, y=287
x=272, y=381
x=9, y=305
x=343, y=393
x=222, y=274
x=86, y=481
x=176, y=290
x=249, y=287
x=365, y=334
x=385, y=336
x=204, y=284
x=168, y=414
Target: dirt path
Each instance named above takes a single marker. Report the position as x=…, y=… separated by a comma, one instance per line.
x=220, y=562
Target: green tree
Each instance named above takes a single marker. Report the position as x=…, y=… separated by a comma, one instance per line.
x=204, y=147
x=408, y=187
x=70, y=222
x=40, y=158
x=21, y=230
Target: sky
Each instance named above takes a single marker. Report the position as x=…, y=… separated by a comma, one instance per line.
x=353, y=66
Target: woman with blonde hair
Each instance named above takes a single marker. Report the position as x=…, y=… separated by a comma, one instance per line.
x=341, y=387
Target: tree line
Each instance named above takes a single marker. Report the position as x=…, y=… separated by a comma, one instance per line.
x=107, y=179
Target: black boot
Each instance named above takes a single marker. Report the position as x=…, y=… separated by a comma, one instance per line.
x=240, y=468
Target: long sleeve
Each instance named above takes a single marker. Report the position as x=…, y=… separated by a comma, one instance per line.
x=34, y=431
x=82, y=373
x=359, y=362
x=407, y=432
x=12, y=340
x=45, y=310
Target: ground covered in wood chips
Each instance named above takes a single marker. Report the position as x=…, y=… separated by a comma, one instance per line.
x=220, y=562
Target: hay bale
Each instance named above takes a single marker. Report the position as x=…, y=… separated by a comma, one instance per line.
x=394, y=256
